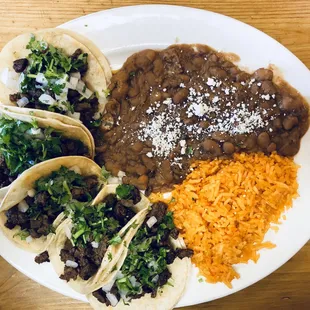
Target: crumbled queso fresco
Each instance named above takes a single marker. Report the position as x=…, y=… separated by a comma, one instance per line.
x=169, y=108
x=165, y=129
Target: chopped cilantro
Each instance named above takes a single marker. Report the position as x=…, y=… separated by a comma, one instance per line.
x=110, y=257
x=106, y=92
x=132, y=73
x=23, y=144
x=145, y=262
x=189, y=150
x=124, y=191
x=115, y=240
x=200, y=280
x=55, y=66
x=92, y=223
x=23, y=234
x=105, y=173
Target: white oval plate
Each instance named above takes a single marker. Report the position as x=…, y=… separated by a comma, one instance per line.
x=123, y=31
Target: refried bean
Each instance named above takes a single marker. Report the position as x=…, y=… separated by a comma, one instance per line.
x=168, y=108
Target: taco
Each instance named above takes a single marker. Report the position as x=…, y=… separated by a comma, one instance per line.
x=51, y=115
x=89, y=243
x=152, y=271
x=34, y=204
x=51, y=70
x=26, y=140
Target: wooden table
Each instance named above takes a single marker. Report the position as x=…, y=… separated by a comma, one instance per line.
x=287, y=21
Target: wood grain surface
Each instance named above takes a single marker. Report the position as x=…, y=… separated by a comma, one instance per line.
x=287, y=21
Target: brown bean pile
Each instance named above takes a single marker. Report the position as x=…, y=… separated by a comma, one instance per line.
x=168, y=108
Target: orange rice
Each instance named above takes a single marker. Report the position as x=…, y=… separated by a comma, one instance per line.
x=224, y=208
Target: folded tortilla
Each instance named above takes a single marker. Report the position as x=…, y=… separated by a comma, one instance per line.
x=96, y=77
x=114, y=251
x=55, y=116
x=18, y=191
x=167, y=296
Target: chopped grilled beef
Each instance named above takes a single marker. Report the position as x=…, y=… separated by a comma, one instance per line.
x=182, y=253
x=69, y=273
x=41, y=198
x=170, y=257
x=110, y=200
x=127, y=203
x=159, y=210
x=135, y=195
x=88, y=258
x=15, y=97
x=42, y=258
x=86, y=272
x=164, y=277
x=19, y=65
x=66, y=255
x=100, y=295
x=5, y=177
x=174, y=233
x=79, y=194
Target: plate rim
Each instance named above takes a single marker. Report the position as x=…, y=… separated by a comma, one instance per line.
x=201, y=11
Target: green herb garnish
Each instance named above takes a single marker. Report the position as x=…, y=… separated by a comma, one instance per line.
x=123, y=191
x=115, y=240
x=189, y=150
x=105, y=173
x=92, y=223
x=24, y=144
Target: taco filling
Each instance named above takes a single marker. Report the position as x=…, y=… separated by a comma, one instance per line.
x=24, y=144
x=145, y=269
x=37, y=212
x=48, y=79
x=94, y=228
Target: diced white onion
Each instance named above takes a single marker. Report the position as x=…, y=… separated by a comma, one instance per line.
x=47, y=99
x=121, y=174
x=83, y=90
x=96, y=116
x=29, y=239
x=76, y=75
x=80, y=86
x=107, y=288
x=73, y=82
x=41, y=79
x=10, y=79
x=155, y=279
x=113, y=180
x=63, y=95
x=88, y=93
x=167, y=195
x=152, y=264
x=37, y=132
x=151, y=221
x=133, y=281
x=75, y=115
x=67, y=230
x=95, y=244
x=22, y=102
x=119, y=275
x=31, y=192
x=71, y=263
x=76, y=169
x=123, y=296
x=112, y=299
x=23, y=206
